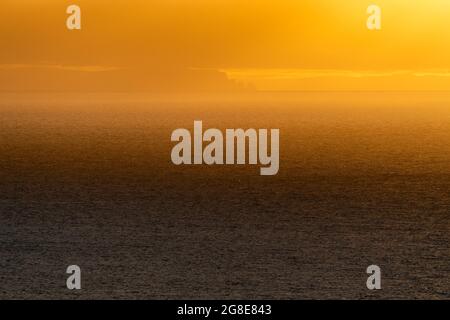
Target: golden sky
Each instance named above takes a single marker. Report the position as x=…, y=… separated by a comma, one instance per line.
x=212, y=44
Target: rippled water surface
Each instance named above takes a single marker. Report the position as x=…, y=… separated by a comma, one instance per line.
x=364, y=179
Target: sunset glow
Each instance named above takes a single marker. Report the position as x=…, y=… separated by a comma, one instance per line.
x=283, y=45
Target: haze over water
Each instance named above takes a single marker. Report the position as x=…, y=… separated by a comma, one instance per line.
x=364, y=179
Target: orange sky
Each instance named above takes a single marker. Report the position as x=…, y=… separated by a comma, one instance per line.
x=204, y=44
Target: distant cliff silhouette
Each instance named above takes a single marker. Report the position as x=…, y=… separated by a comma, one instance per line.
x=83, y=79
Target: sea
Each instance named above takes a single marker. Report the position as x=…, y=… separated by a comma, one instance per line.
x=87, y=180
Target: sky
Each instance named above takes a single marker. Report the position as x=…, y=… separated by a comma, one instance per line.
x=195, y=45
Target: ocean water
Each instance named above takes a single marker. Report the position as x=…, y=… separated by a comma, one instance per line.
x=364, y=179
